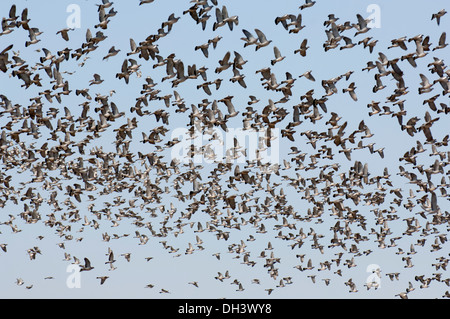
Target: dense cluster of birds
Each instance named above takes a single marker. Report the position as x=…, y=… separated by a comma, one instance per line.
x=54, y=158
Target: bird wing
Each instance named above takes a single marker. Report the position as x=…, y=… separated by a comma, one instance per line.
x=248, y=35
x=277, y=52
x=362, y=23
x=425, y=81
x=261, y=36
x=442, y=38
x=219, y=16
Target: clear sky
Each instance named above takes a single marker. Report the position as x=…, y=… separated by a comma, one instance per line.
x=394, y=19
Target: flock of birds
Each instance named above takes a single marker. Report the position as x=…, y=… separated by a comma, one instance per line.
x=53, y=157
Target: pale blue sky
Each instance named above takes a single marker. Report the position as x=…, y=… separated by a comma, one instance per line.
x=398, y=18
